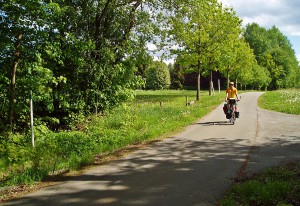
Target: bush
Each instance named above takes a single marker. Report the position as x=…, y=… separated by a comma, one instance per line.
x=158, y=77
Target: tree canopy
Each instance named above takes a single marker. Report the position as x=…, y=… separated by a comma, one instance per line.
x=81, y=57
x=274, y=51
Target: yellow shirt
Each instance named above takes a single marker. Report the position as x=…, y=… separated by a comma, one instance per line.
x=232, y=92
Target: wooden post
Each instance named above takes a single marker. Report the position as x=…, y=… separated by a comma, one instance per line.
x=31, y=119
x=186, y=100
x=219, y=86
x=212, y=88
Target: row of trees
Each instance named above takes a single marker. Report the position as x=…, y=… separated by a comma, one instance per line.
x=212, y=39
x=81, y=56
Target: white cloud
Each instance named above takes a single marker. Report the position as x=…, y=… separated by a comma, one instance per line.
x=284, y=14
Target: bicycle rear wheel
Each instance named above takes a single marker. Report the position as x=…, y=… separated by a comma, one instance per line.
x=232, y=119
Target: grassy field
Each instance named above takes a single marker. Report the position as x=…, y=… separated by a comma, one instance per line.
x=279, y=186
x=286, y=101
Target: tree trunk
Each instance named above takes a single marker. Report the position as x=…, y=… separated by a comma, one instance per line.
x=228, y=78
x=13, y=79
x=198, y=81
x=210, y=84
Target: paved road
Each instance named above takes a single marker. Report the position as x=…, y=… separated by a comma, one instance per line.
x=195, y=167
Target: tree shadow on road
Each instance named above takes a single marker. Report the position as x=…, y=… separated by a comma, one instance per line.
x=176, y=171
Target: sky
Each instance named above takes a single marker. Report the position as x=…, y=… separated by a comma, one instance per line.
x=284, y=14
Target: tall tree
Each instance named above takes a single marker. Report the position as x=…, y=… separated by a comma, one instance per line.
x=274, y=52
x=199, y=29
x=86, y=49
x=237, y=61
x=21, y=27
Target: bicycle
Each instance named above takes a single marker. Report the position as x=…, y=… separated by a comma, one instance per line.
x=231, y=113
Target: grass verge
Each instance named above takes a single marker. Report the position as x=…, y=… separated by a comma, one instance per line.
x=286, y=101
x=278, y=186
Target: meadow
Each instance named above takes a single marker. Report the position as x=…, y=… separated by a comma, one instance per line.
x=286, y=101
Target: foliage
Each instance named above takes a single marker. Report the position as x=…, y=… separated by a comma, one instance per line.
x=177, y=76
x=77, y=57
x=157, y=76
x=238, y=63
x=274, y=52
x=200, y=34
x=85, y=57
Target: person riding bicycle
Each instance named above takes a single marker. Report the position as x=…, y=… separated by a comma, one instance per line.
x=232, y=92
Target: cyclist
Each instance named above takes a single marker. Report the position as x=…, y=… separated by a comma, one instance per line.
x=232, y=92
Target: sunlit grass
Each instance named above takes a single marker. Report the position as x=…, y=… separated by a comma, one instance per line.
x=286, y=101
x=154, y=114
x=273, y=187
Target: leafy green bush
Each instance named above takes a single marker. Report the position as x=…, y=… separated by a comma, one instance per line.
x=158, y=76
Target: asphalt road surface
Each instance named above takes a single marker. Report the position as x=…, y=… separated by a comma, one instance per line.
x=195, y=167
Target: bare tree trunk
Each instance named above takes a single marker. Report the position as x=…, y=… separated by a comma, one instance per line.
x=228, y=78
x=13, y=79
x=210, y=84
x=198, y=81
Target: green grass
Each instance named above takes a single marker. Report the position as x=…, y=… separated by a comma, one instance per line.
x=278, y=186
x=274, y=186
x=286, y=101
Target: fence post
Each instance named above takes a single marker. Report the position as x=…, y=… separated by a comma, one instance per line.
x=31, y=119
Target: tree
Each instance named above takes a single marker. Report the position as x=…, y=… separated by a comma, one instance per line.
x=274, y=52
x=86, y=49
x=261, y=77
x=199, y=29
x=238, y=61
x=157, y=76
x=21, y=33
x=177, y=76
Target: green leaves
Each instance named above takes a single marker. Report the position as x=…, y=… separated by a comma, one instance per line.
x=273, y=51
x=77, y=57
x=158, y=76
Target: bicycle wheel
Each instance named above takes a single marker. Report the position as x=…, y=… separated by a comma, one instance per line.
x=232, y=119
